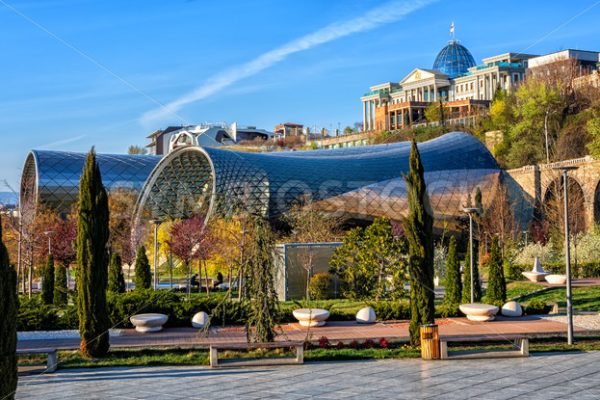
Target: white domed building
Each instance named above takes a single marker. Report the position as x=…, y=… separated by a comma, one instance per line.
x=463, y=88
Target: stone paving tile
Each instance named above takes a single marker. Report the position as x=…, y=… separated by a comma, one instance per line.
x=564, y=376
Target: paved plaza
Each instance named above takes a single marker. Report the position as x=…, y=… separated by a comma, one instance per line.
x=532, y=326
x=549, y=376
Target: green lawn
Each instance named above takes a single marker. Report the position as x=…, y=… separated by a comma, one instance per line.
x=521, y=288
x=182, y=357
x=584, y=298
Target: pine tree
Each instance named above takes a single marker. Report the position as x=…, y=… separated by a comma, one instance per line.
x=116, y=280
x=453, y=278
x=92, y=259
x=60, y=286
x=496, y=290
x=418, y=227
x=48, y=281
x=466, y=293
x=9, y=305
x=260, y=289
x=143, y=276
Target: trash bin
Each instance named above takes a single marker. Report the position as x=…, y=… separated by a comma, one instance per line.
x=430, y=342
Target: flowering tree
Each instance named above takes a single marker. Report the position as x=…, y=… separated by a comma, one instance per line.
x=190, y=240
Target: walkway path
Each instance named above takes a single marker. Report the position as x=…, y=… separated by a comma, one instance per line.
x=532, y=326
x=549, y=376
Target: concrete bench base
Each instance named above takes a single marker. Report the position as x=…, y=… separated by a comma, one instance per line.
x=51, y=362
x=215, y=362
x=520, y=344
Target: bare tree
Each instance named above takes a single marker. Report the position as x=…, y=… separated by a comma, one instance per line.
x=309, y=225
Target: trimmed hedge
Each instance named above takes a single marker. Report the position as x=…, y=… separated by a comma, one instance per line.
x=581, y=271
x=35, y=315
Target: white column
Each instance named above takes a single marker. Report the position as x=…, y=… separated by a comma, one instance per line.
x=364, y=104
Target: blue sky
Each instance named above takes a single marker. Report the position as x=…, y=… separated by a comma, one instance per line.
x=81, y=73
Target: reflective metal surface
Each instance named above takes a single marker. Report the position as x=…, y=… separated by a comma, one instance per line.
x=359, y=181
x=51, y=178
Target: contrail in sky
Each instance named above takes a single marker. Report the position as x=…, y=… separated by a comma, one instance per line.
x=374, y=18
x=61, y=142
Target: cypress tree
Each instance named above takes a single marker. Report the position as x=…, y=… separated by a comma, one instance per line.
x=418, y=227
x=260, y=289
x=60, y=286
x=116, y=280
x=9, y=305
x=466, y=293
x=453, y=278
x=496, y=290
x=48, y=281
x=143, y=276
x=92, y=259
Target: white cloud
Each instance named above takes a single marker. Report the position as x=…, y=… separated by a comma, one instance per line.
x=374, y=18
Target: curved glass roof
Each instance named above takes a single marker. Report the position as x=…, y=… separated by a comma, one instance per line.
x=52, y=177
x=454, y=60
x=359, y=181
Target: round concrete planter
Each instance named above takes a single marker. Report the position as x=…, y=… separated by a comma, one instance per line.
x=311, y=316
x=479, y=311
x=151, y=322
x=555, y=279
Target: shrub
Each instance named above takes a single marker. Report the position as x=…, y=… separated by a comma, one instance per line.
x=48, y=281
x=453, y=278
x=496, y=290
x=383, y=343
x=391, y=310
x=340, y=345
x=324, y=342
x=60, y=286
x=537, y=306
x=143, y=276
x=320, y=286
x=446, y=310
x=35, y=315
x=369, y=344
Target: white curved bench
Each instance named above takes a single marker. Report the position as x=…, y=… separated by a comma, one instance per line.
x=151, y=322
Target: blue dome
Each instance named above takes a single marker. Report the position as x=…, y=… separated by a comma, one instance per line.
x=454, y=60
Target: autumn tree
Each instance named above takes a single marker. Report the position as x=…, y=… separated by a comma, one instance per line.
x=190, y=240
x=92, y=259
x=121, y=203
x=63, y=251
x=418, y=227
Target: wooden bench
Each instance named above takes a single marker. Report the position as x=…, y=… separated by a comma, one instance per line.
x=214, y=358
x=52, y=360
x=519, y=342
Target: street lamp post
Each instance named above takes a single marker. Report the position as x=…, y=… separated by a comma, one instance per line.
x=470, y=211
x=49, y=236
x=565, y=171
x=156, y=223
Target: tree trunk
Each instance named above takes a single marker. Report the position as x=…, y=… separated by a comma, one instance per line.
x=189, y=282
x=206, y=276
x=171, y=270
